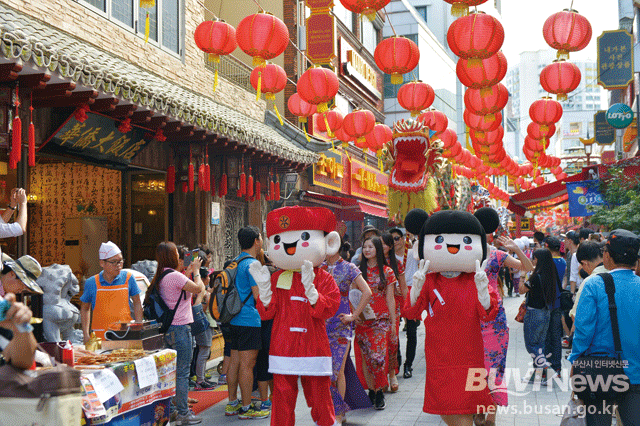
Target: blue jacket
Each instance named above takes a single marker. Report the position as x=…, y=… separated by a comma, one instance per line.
x=593, y=334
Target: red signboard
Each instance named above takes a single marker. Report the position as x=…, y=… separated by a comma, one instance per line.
x=319, y=4
x=321, y=37
x=608, y=157
x=367, y=182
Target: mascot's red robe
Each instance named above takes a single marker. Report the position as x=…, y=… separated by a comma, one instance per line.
x=454, y=351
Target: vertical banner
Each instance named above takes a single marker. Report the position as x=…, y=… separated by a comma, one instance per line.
x=582, y=196
x=320, y=32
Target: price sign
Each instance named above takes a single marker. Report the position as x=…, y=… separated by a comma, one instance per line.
x=105, y=383
x=146, y=370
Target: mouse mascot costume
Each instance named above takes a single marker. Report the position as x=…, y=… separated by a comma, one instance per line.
x=300, y=297
x=451, y=285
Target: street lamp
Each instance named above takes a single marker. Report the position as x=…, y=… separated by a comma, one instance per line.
x=588, y=147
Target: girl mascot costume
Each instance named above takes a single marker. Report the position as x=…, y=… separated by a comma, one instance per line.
x=300, y=297
x=452, y=286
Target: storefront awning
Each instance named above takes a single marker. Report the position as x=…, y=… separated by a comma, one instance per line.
x=373, y=210
x=553, y=191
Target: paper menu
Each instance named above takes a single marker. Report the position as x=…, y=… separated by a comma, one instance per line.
x=146, y=371
x=105, y=383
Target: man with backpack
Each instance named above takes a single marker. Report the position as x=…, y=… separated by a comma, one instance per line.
x=244, y=330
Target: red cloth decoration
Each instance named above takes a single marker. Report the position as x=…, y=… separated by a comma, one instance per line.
x=359, y=123
x=191, y=177
x=81, y=113
x=170, y=185
x=16, y=142
x=300, y=108
x=272, y=190
x=201, y=180
x=396, y=55
x=415, y=96
x=477, y=35
x=560, y=78
x=207, y=176
x=159, y=136
x=317, y=86
x=243, y=184
x=262, y=36
x=223, y=185
x=434, y=120
x=125, y=126
x=250, y=188
x=216, y=38
x=298, y=218
x=567, y=31
x=185, y=187
x=271, y=79
x=277, y=190
x=369, y=8
x=490, y=72
x=487, y=101
x=32, y=145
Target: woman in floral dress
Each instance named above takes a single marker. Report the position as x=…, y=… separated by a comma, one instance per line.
x=495, y=334
x=371, y=335
x=340, y=327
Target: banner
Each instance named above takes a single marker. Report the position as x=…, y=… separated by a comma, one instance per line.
x=582, y=196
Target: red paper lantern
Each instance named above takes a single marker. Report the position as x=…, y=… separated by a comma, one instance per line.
x=567, y=31
x=490, y=72
x=369, y=8
x=486, y=101
x=380, y=135
x=487, y=138
x=268, y=79
x=415, y=96
x=396, y=55
x=476, y=36
x=341, y=135
x=318, y=86
x=216, y=38
x=300, y=108
x=461, y=7
x=262, y=36
x=329, y=121
x=560, y=78
x=434, y=120
x=358, y=123
x=448, y=138
x=545, y=111
x=536, y=131
x=479, y=122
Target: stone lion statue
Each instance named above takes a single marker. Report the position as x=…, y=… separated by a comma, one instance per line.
x=59, y=285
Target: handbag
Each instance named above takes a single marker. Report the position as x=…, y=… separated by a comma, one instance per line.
x=521, y=311
x=200, y=322
x=574, y=413
x=602, y=377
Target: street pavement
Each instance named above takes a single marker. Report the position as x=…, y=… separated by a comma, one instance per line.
x=529, y=405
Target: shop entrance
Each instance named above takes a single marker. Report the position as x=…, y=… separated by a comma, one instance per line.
x=235, y=219
x=148, y=222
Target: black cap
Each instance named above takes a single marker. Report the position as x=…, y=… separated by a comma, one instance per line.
x=553, y=243
x=624, y=243
x=370, y=228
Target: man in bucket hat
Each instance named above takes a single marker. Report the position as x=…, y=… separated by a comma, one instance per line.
x=19, y=276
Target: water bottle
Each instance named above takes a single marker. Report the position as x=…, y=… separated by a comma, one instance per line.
x=4, y=307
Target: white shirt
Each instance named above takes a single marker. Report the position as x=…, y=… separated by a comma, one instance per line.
x=575, y=271
x=10, y=230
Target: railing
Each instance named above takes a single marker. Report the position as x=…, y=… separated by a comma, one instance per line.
x=233, y=70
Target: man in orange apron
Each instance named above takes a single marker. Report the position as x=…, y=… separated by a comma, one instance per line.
x=105, y=300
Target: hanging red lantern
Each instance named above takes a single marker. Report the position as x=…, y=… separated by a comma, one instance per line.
x=476, y=36
x=358, y=123
x=486, y=101
x=396, y=55
x=318, y=86
x=539, y=180
x=545, y=111
x=342, y=136
x=380, y=135
x=560, y=78
x=217, y=38
x=170, y=185
x=536, y=132
x=435, y=120
x=415, y=96
x=300, y=108
x=223, y=185
x=329, y=121
x=268, y=79
x=368, y=8
x=479, y=122
x=487, y=138
x=262, y=36
x=461, y=7
x=567, y=31
x=490, y=72
x=448, y=138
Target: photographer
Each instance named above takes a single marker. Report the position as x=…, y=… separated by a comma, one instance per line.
x=16, y=347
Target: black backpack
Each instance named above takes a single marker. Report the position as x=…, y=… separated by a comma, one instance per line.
x=225, y=303
x=156, y=309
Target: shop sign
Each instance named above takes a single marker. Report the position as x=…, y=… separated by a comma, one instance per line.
x=358, y=68
x=615, y=59
x=368, y=182
x=320, y=32
x=525, y=225
x=604, y=133
x=608, y=157
x=97, y=138
x=329, y=171
x=619, y=116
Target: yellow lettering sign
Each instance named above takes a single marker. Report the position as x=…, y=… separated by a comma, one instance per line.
x=368, y=181
x=328, y=166
x=360, y=65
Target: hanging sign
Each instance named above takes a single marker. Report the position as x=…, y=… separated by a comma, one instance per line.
x=320, y=32
x=97, y=138
x=604, y=133
x=368, y=182
x=582, y=196
x=328, y=171
x=615, y=59
x=619, y=116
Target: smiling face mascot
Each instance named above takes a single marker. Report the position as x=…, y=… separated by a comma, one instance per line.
x=299, y=298
x=452, y=287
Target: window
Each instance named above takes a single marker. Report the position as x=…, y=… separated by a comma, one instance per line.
x=368, y=35
x=166, y=19
x=344, y=15
x=423, y=12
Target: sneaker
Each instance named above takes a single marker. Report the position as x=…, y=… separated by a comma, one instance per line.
x=266, y=405
x=252, y=413
x=188, y=419
x=204, y=386
x=372, y=396
x=379, y=403
x=255, y=395
x=222, y=380
x=232, y=408
x=192, y=384
x=566, y=344
x=207, y=375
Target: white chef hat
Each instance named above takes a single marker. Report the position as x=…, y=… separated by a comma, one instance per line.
x=108, y=250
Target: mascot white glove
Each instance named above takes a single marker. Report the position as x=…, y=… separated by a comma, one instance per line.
x=418, y=280
x=307, y=277
x=482, y=284
x=262, y=277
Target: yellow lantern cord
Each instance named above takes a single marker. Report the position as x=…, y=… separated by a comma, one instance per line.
x=326, y=123
x=275, y=108
x=306, y=135
x=146, y=28
x=215, y=78
x=258, y=61
x=259, y=85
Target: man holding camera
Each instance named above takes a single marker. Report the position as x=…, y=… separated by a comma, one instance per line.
x=105, y=299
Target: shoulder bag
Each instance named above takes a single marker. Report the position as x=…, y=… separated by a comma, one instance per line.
x=597, y=378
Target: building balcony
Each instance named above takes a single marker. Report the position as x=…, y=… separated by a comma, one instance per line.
x=233, y=70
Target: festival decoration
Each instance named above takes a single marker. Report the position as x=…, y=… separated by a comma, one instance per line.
x=329, y=121
x=31, y=135
x=368, y=8
x=170, y=185
x=269, y=79
x=217, y=38
x=359, y=123
x=302, y=110
x=262, y=36
x=16, y=135
x=567, y=31
x=435, y=120
x=377, y=138
x=480, y=122
x=318, y=86
x=461, y=7
x=491, y=71
x=560, y=78
x=396, y=55
x=415, y=96
x=487, y=101
x=147, y=4
x=545, y=111
x=476, y=36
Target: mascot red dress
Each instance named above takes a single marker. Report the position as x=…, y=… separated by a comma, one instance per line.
x=452, y=287
x=300, y=297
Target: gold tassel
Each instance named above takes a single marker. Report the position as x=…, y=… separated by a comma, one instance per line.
x=275, y=108
x=215, y=79
x=146, y=4
x=259, y=85
x=459, y=9
x=326, y=123
x=258, y=61
x=396, y=79
x=486, y=91
x=322, y=107
x=561, y=97
x=306, y=135
x=146, y=28
x=562, y=54
x=475, y=63
x=415, y=113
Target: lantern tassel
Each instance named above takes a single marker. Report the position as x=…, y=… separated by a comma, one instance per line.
x=277, y=190
x=223, y=185
x=207, y=174
x=396, y=78
x=326, y=123
x=475, y=63
x=459, y=10
x=32, y=145
x=250, y=187
x=259, y=86
x=272, y=191
x=147, y=26
x=191, y=177
x=257, y=191
x=486, y=91
x=562, y=54
x=306, y=135
x=322, y=107
x=185, y=187
x=275, y=108
x=201, y=182
x=170, y=185
x=215, y=79
x=561, y=97
x=16, y=141
x=243, y=184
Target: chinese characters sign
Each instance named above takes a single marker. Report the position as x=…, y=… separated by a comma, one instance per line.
x=582, y=196
x=615, y=59
x=329, y=171
x=97, y=138
x=320, y=32
x=368, y=182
